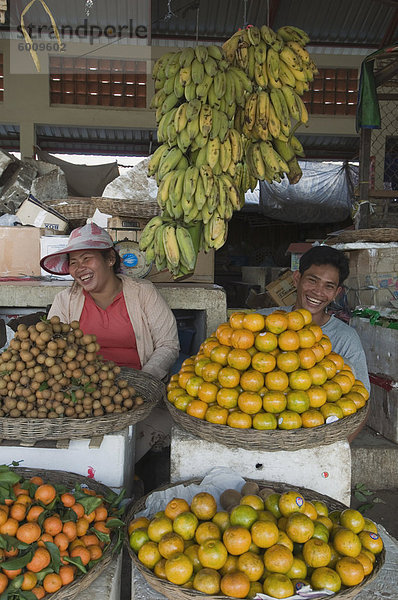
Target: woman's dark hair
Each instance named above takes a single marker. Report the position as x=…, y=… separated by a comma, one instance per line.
x=108, y=254
x=325, y=255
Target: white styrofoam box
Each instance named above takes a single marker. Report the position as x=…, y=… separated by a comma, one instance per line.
x=111, y=463
x=325, y=469
x=107, y=585
x=380, y=345
x=383, y=414
x=50, y=244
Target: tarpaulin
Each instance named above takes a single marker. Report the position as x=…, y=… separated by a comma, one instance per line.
x=83, y=180
x=323, y=194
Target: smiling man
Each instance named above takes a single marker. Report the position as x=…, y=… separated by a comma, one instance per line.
x=319, y=279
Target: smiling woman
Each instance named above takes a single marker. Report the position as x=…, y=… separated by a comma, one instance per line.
x=133, y=324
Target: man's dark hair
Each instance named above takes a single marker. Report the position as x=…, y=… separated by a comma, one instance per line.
x=325, y=255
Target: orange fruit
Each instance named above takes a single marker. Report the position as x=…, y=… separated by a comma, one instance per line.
x=199, y=364
x=170, y=543
x=264, y=533
x=207, y=391
x=40, y=560
x=318, y=351
x=227, y=397
x=208, y=345
x=284, y=539
x=216, y=414
x=208, y=530
x=297, y=401
x=295, y=320
x=274, y=402
x=312, y=418
x=45, y=493
x=52, y=582
x=326, y=522
x=193, y=385
x=347, y=406
x=333, y=391
x=307, y=358
x=365, y=562
x=219, y=354
x=329, y=367
x=264, y=420
x=306, y=314
x=235, y=584
x=210, y=371
x=69, y=529
x=288, y=340
x=369, y=554
x=278, y=585
x=158, y=526
x=192, y=553
x=28, y=533
x=287, y=361
x=331, y=412
x=317, y=396
x=78, y=509
x=254, y=322
x=370, y=525
x=149, y=554
x=326, y=344
x=239, y=420
x=29, y=580
x=361, y=389
x=178, y=568
x=276, y=322
x=196, y=408
x=344, y=382
x=181, y=402
x=357, y=399
x=12, y=573
x=204, y=506
x=221, y=519
x=318, y=374
x=290, y=502
x=337, y=359
x=306, y=338
x=228, y=377
x=300, y=380
x=265, y=341
x=224, y=333
x=212, y=554
x=207, y=581
x=299, y=528
x=53, y=525
x=62, y=541
x=9, y=527
x=250, y=402
x=289, y=419
x=239, y=359
x=237, y=539
x=346, y=542
x=137, y=538
x=276, y=380
x=185, y=524
x=18, y=511
x=251, y=380
x=252, y=565
x=324, y=578
x=236, y=320
x=242, y=338
x=371, y=541
x=278, y=559
x=3, y=582
x=264, y=362
x=253, y=500
x=83, y=553
x=67, y=574
x=243, y=515
x=174, y=393
x=316, y=553
x=350, y=571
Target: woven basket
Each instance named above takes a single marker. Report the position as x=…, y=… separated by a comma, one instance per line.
x=74, y=208
x=70, y=480
x=149, y=387
x=174, y=592
x=127, y=208
x=378, y=234
x=270, y=440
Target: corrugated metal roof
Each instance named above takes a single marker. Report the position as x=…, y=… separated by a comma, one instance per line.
x=9, y=136
x=93, y=140
x=332, y=147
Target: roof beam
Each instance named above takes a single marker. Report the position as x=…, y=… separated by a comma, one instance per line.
x=390, y=31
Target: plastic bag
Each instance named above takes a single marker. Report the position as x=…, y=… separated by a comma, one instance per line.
x=9, y=220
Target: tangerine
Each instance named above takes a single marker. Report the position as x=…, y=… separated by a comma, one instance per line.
x=300, y=380
x=52, y=582
x=203, y=506
x=317, y=396
x=350, y=571
x=28, y=533
x=316, y=553
x=170, y=544
x=276, y=381
x=216, y=414
x=295, y=320
x=274, y=402
x=278, y=585
x=219, y=354
x=239, y=359
x=264, y=362
x=346, y=542
x=298, y=570
x=178, y=568
x=254, y=322
x=235, y=584
x=237, y=539
x=297, y=401
x=242, y=338
x=208, y=530
x=276, y=322
x=318, y=374
x=278, y=559
x=40, y=560
x=149, y=554
x=207, y=581
x=371, y=541
x=365, y=562
x=344, y=382
x=250, y=402
x=29, y=580
x=347, y=405
x=290, y=502
x=236, y=320
x=228, y=377
x=263, y=421
x=300, y=528
x=224, y=333
x=33, y=513
x=288, y=340
x=210, y=371
x=158, y=526
x=288, y=361
x=288, y=419
x=265, y=341
x=238, y=420
x=196, y=408
x=264, y=533
x=325, y=578
x=185, y=524
x=243, y=515
x=252, y=565
x=212, y=554
x=312, y=418
x=251, y=380
x=227, y=397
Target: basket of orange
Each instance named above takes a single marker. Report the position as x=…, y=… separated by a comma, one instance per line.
x=58, y=531
x=256, y=537
x=268, y=383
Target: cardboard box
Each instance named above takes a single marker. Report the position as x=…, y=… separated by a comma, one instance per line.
x=33, y=212
x=203, y=273
x=369, y=260
x=19, y=251
x=130, y=228
x=282, y=290
x=372, y=289
x=50, y=244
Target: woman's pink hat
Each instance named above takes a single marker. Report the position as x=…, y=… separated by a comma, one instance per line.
x=88, y=237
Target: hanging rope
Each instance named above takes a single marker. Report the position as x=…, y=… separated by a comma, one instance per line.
x=170, y=13
x=27, y=37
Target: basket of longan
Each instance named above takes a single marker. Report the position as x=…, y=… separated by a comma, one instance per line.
x=58, y=532
x=257, y=537
x=268, y=383
x=55, y=385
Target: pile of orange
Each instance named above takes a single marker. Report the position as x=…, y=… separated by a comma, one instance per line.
x=267, y=543
x=267, y=372
x=48, y=534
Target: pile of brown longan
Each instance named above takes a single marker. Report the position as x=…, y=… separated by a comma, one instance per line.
x=52, y=369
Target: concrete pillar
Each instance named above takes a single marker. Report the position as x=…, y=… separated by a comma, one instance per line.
x=27, y=141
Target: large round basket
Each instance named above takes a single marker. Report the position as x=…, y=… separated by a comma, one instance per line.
x=70, y=480
x=174, y=592
x=270, y=440
x=127, y=208
x=149, y=387
x=74, y=208
x=378, y=235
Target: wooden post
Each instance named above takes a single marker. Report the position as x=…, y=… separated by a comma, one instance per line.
x=364, y=173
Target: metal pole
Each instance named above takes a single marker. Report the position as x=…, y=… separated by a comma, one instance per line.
x=364, y=172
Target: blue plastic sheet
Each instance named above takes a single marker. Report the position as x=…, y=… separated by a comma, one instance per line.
x=324, y=194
